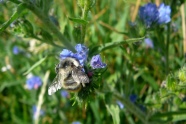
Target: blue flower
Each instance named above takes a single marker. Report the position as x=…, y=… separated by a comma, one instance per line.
x=76, y=122
x=120, y=104
x=16, y=50
x=80, y=55
x=33, y=82
x=149, y=43
x=96, y=62
x=133, y=98
x=81, y=48
x=149, y=14
x=82, y=52
x=66, y=53
x=34, y=112
x=64, y=93
x=164, y=14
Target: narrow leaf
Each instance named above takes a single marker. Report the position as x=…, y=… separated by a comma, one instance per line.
x=118, y=43
x=35, y=65
x=78, y=20
x=19, y=12
x=170, y=116
x=114, y=111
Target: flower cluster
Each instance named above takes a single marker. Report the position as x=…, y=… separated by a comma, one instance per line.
x=81, y=55
x=34, y=82
x=151, y=14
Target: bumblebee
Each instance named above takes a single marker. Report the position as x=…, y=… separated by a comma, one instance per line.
x=70, y=76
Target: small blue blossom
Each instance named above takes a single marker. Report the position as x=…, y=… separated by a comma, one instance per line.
x=164, y=14
x=149, y=14
x=120, y=104
x=133, y=98
x=96, y=62
x=34, y=112
x=81, y=57
x=64, y=94
x=82, y=52
x=16, y=50
x=81, y=48
x=66, y=53
x=76, y=122
x=149, y=43
x=33, y=82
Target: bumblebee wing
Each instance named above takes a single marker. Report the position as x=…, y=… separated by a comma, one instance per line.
x=79, y=76
x=55, y=86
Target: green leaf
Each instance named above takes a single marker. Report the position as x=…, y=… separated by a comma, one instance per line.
x=19, y=12
x=8, y=84
x=28, y=28
x=170, y=116
x=35, y=65
x=114, y=111
x=78, y=20
x=147, y=77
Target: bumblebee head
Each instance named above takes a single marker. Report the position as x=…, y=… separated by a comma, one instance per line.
x=68, y=62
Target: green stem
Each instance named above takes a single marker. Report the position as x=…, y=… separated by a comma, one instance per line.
x=132, y=108
x=114, y=44
x=85, y=11
x=167, y=48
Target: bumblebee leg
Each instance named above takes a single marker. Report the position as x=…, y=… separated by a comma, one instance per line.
x=83, y=84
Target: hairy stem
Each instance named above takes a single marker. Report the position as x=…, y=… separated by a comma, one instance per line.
x=114, y=44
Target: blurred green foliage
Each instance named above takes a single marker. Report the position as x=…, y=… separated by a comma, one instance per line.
x=42, y=28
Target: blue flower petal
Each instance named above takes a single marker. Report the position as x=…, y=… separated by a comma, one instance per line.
x=120, y=104
x=133, y=98
x=80, y=55
x=96, y=62
x=16, y=50
x=66, y=53
x=149, y=43
x=81, y=48
x=64, y=93
x=164, y=14
x=33, y=83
